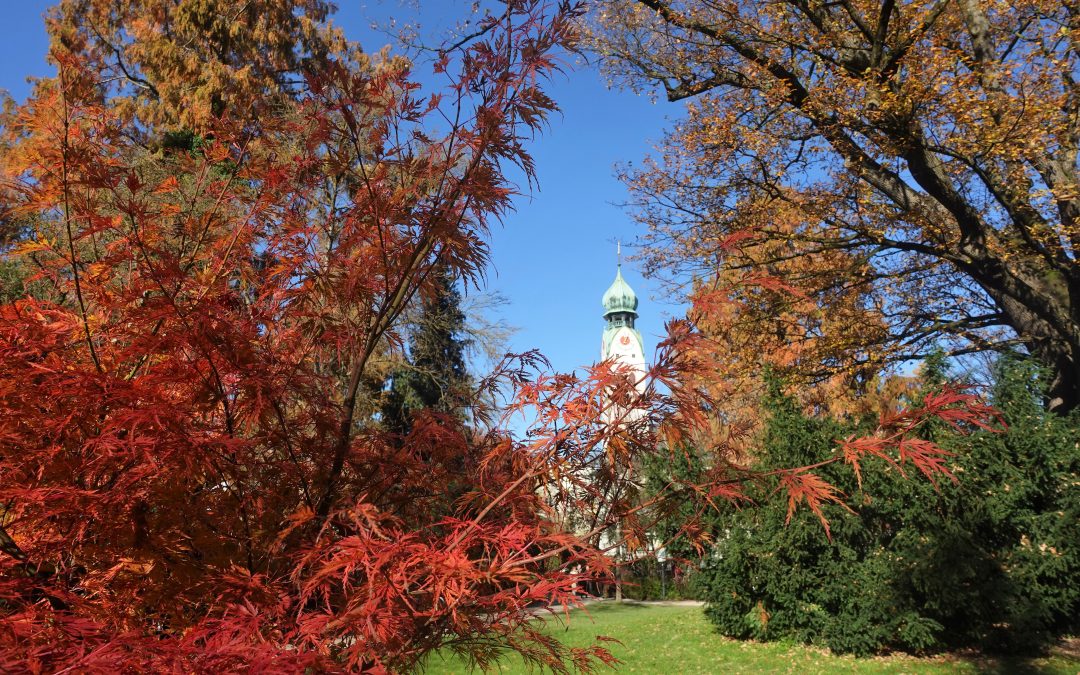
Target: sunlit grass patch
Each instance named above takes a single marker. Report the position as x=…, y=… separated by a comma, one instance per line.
x=677, y=640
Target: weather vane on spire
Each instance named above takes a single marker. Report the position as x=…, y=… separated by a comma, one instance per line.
x=618, y=252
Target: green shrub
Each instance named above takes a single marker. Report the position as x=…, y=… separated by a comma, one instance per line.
x=991, y=562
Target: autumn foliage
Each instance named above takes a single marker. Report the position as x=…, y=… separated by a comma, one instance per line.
x=913, y=161
x=193, y=473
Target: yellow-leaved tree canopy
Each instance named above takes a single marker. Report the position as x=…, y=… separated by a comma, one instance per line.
x=908, y=168
x=179, y=65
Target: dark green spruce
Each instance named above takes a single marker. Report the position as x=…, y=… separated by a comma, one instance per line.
x=991, y=562
x=435, y=376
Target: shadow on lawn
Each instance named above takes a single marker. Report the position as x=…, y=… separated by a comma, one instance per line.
x=611, y=605
x=1011, y=665
x=594, y=607
x=1062, y=658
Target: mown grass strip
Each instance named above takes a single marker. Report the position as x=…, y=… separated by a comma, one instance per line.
x=677, y=640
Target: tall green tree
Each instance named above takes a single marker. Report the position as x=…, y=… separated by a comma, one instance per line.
x=435, y=374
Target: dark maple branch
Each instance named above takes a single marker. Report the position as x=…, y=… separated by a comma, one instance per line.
x=64, y=154
x=8, y=546
x=407, y=283
x=690, y=89
x=286, y=436
x=137, y=81
x=388, y=312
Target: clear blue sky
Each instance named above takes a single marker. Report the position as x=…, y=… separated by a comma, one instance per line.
x=555, y=255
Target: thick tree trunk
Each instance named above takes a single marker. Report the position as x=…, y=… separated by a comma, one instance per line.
x=1055, y=349
x=1063, y=393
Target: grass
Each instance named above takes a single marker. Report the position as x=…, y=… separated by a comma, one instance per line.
x=677, y=640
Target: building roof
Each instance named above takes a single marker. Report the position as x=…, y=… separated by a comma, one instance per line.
x=619, y=297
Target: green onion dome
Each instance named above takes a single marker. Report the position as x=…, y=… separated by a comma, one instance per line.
x=620, y=297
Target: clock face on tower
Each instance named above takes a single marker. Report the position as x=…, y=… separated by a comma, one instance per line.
x=624, y=346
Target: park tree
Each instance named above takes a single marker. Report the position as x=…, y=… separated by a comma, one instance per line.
x=918, y=158
x=435, y=375
x=176, y=66
x=172, y=67
x=189, y=478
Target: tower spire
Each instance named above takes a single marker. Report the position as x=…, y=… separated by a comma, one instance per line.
x=621, y=340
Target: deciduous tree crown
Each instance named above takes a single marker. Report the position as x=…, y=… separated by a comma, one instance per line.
x=909, y=167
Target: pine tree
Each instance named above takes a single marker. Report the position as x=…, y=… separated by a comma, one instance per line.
x=990, y=561
x=435, y=375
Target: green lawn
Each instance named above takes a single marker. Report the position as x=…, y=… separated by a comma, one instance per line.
x=676, y=640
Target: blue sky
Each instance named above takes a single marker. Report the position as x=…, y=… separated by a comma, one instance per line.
x=555, y=255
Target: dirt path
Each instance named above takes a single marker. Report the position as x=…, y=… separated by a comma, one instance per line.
x=591, y=602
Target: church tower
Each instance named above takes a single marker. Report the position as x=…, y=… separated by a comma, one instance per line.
x=621, y=341
x=622, y=344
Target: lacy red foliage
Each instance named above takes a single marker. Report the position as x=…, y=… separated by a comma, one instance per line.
x=190, y=480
